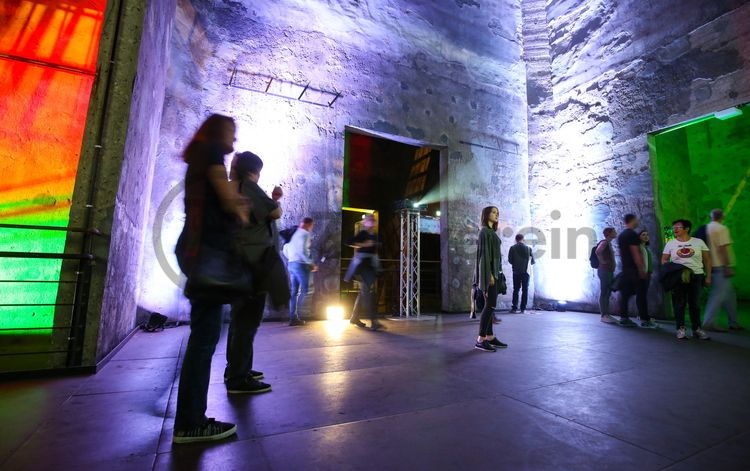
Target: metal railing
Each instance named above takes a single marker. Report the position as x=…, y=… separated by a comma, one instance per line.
x=73, y=323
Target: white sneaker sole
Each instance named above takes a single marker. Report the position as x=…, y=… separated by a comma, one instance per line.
x=211, y=438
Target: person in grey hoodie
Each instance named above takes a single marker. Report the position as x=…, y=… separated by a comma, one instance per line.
x=486, y=276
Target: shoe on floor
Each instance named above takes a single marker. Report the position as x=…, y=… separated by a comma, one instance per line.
x=681, y=334
x=626, y=322
x=513, y=311
x=700, y=334
x=497, y=344
x=256, y=375
x=608, y=319
x=358, y=323
x=211, y=431
x=484, y=346
x=496, y=320
x=736, y=327
x=248, y=386
x=295, y=322
x=650, y=324
x=377, y=326
x=523, y=311
x=713, y=328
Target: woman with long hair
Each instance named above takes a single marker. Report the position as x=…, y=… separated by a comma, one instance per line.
x=486, y=276
x=213, y=208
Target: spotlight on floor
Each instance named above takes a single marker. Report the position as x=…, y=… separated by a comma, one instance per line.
x=438, y=213
x=561, y=306
x=335, y=313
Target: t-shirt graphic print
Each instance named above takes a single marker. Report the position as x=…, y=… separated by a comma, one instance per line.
x=688, y=253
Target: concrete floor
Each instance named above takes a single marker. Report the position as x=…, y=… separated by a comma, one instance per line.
x=570, y=393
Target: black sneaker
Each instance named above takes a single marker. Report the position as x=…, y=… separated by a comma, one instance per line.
x=497, y=344
x=256, y=375
x=523, y=311
x=513, y=311
x=377, y=326
x=358, y=323
x=626, y=322
x=211, y=431
x=248, y=386
x=295, y=322
x=484, y=346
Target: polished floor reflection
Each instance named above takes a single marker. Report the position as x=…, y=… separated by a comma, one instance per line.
x=570, y=393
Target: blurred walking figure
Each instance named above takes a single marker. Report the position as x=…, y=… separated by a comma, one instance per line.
x=213, y=207
x=605, y=269
x=722, y=293
x=300, y=265
x=519, y=256
x=364, y=267
x=487, y=273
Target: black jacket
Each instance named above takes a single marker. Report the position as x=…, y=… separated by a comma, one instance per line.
x=671, y=275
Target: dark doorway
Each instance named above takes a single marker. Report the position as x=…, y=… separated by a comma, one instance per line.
x=380, y=173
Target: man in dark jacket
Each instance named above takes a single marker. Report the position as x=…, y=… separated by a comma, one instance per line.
x=519, y=256
x=256, y=244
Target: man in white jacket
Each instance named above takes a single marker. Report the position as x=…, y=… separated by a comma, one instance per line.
x=298, y=253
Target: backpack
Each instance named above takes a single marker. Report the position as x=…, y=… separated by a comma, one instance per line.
x=286, y=234
x=702, y=234
x=593, y=258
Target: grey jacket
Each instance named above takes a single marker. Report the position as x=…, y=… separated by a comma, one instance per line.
x=489, y=258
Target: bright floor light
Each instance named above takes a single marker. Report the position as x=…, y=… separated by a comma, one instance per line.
x=335, y=313
x=438, y=213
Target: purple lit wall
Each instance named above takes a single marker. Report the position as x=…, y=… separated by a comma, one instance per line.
x=440, y=72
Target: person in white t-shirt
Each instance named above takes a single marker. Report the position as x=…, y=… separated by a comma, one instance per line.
x=722, y=291
x=692, y=253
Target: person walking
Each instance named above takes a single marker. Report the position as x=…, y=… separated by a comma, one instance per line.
x=256, y=246
x=519, y=256
x=364, y=268
x=693, y=254
x=487, y=273
x=213, y=207
x=641, y=294
x=605, y=271
x=633, y=272
x=722, y=293
x=300, y=265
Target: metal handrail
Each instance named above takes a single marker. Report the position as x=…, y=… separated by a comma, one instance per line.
x=83, y=280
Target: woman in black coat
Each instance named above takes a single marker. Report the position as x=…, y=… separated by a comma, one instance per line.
x=486, y=277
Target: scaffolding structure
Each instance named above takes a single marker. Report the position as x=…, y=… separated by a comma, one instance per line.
x=409, y=263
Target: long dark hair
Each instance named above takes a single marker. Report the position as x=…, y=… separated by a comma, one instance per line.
x=211, y=130
x=486, y=217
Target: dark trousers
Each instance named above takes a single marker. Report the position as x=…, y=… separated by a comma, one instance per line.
x=628, y=286
x=365, y=302
x=688, y=294
x=485, y=321
x=520, y=282
x=247, y=314
x=641, y=298
x=205, y=330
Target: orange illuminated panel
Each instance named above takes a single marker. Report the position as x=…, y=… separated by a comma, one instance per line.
x=48, y=53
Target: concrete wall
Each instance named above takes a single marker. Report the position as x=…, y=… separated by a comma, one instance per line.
x=611, y=72
x=118, y=152
x=439, y=72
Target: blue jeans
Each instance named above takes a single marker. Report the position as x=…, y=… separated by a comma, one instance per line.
x=722, y=295
x=605, y=290
x=192, y=394
x=299, y=273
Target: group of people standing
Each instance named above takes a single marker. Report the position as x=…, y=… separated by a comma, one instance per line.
x=689, y=263
x=230, y=218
